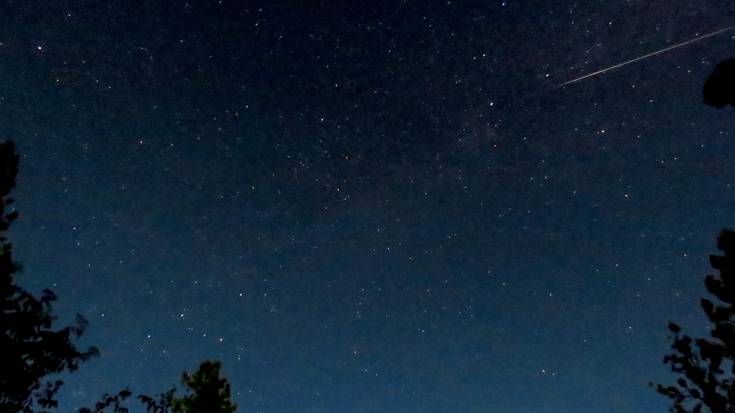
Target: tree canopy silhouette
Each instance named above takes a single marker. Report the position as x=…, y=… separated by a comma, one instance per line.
x=31, y=348
x=210, y=393
x=207, y=393
x=719, y=88
x=706, y=366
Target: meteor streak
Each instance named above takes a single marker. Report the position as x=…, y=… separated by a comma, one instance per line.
x=646, y=56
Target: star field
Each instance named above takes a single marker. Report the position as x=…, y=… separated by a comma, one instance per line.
x=370, y=206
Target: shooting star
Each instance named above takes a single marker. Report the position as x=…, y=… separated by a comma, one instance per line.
x=646, y=56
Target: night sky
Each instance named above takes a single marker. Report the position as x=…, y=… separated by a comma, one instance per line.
x=371, y=206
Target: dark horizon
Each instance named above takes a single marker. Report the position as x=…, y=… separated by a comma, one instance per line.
x=371, y=206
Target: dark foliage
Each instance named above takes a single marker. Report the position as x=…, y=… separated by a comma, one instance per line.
x=209, y=393
x=705, y=366
x=31, y=349
x=112, y=403
x=117, y=403
x=161, y=403
x=719, y=89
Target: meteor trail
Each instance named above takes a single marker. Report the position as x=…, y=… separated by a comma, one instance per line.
x=676, y=46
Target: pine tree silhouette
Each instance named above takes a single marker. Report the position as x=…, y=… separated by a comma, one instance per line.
x=210, y=393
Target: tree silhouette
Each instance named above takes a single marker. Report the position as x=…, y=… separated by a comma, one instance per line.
x=115, y=403
x=706, y=366
x=719, y=89
x=30, y=349
x=160, y=403
x=210, y=393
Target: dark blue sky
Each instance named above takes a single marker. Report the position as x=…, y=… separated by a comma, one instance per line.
x=375, y=206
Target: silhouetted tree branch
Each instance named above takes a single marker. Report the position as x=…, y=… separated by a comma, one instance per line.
x=114, y=402
x=30, y=348
x=705, y=366
x=160, y=403
x=207, y=393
